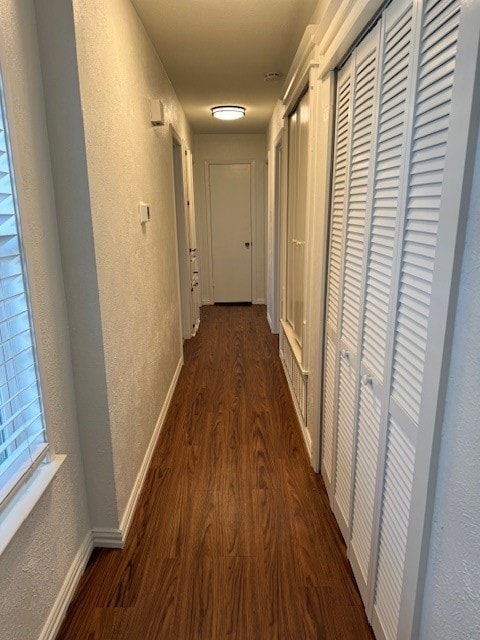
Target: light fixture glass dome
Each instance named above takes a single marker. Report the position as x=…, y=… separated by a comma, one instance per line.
x=228, y=112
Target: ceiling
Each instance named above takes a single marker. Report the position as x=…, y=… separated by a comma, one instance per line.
x=217, y=52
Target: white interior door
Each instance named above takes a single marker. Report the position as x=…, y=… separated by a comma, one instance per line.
x=231, y=231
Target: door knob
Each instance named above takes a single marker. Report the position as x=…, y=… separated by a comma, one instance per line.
x=247, y=244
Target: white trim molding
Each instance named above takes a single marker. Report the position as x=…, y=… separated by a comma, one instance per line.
x=59, y=609
x=298, y=76
x=108, y=538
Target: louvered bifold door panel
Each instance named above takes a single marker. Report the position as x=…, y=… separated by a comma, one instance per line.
x=395, y=78
x=342, y=135
x=425, y=182
x=433, y=101
x=365, y=85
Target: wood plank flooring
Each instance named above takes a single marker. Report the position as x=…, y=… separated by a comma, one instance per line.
x=233, y=536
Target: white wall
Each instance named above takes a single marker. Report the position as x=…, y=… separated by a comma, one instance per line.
x=34, y=565
x=230, y=148
x=452, y=593
x=101, y=71
x=128, y=162
x=72, y=197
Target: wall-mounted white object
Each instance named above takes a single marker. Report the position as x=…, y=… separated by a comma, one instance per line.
x=144, y=212
x=157, y=113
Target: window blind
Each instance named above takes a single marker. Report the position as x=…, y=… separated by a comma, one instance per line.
x=23, y=442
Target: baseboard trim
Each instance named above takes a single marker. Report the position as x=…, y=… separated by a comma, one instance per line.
x=259, y=301
x=137, y=487
x=270, y=323
x=206, y=301
x=307, y=438
x=59, y=609
x=109, y=538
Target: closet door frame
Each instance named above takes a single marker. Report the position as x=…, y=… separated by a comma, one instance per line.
x=303, y=77
x=333, y=46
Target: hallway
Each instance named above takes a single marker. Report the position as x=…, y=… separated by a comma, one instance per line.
x=233, y=536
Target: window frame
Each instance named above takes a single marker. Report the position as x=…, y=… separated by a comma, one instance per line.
x=15, y=509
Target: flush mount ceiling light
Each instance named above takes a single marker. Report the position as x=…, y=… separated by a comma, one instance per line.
x=228, y=112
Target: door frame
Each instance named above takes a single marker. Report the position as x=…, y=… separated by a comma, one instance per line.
x=278, y=195
x=180, y=216
x=253, y=217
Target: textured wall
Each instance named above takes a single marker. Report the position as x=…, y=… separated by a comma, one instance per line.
x=72, y=198
x=129, y=162
x=452, y=593
x=34, y=565
x=230, y=148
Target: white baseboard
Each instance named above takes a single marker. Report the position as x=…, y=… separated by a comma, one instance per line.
x=259, y=301
x=270, y=322
x=307, y=438
x=206, y=301
x=137, y=487
x=59, y=609
x=109, y=538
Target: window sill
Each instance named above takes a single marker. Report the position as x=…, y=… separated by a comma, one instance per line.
x=20, y=507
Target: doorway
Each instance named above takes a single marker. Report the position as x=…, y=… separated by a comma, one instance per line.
x=230, y=209
x=276, y=232
x=182, y=237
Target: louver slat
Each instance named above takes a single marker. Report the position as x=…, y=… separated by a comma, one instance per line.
x=437, y=63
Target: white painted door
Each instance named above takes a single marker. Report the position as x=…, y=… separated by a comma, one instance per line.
x=231, y=232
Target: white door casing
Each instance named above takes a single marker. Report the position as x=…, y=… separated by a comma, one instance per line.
x=230, y=200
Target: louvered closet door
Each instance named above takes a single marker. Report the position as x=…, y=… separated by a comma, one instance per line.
x=425, y=182
x=391, y=118
x=341, y=160
x=364, y=91
x=401, y=152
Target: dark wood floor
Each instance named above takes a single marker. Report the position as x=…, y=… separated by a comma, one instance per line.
x=233, y=536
